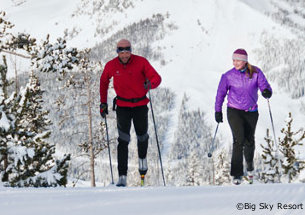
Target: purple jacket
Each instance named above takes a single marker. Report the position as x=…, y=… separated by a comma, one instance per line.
x=242, y=90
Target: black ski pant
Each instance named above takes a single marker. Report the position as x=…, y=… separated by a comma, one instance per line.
x=243, y=126
x=139, y=117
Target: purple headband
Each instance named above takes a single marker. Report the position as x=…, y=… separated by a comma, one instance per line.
x=240, y=54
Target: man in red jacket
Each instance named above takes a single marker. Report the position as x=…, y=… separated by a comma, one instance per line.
x=132, y=77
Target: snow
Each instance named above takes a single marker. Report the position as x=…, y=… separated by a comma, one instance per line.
x=40, y=16
x=4, y=123
x=204, y=200
x=261, y=5
x=21, y=153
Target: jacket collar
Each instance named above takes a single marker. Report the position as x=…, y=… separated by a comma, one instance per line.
x=128, y=62
x=243, y=70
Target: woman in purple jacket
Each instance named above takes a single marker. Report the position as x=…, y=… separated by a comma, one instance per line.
x=242, y=82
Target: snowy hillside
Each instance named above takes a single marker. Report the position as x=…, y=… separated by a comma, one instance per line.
x=190, y=43
x=244, y=199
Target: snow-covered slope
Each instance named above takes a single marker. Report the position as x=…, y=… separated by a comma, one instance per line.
x=254, y=199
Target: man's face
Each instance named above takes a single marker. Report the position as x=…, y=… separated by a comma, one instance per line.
x=124, y=56
x=239, y=64
x=124, y=50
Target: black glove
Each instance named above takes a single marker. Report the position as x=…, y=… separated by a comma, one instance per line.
x=267, y=93
x=218, y=117
x=147, y=85
x=103, y=109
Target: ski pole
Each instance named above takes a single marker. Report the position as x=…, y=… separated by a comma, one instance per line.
x=278, y=164
x=272, y=124
x=212, y=145
x=152, y=113
x=109, y=150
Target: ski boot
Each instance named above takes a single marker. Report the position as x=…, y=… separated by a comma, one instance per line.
x=142, y=169
x=250, y=177
x=250, y=172
x=237, y=180
x=122, y=181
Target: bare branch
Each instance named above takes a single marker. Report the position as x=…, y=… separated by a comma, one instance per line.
x=15, y=53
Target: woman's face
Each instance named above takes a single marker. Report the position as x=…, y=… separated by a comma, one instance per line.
x=239, y=64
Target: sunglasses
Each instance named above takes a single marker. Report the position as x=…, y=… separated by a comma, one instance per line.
x=123, y=49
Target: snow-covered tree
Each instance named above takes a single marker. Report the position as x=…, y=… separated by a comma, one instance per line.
x=195, y=170
x=27, y=159
x=271, y=172
x=31, y=160
x=222, y=168
x=284, y=63
x=291, y=164
x=7, y=119
x=10, y=42
x=180, y=149
x=190, y=148
x=54, y=57
x=5, y=27
x=87, y=69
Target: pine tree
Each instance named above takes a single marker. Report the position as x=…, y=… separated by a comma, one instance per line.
x=5, y=33
x=87, y=67
x=284, y=61
x=190, y=148
x=291, y=164
x=6, y=119
x=54, y=57
x=222, y=175
x=10, y=42
x=194, y=174
x=30, y=157
x=271, y=172
x=181, y=149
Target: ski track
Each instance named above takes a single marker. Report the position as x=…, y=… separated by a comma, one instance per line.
x=151, y=200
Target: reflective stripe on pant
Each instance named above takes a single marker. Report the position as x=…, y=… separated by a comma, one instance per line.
x=139, y=117
x=243, y=126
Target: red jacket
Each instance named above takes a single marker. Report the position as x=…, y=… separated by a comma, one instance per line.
x=128, y=80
